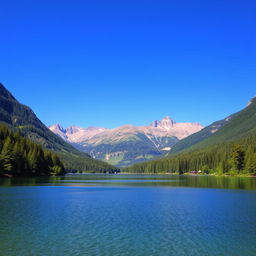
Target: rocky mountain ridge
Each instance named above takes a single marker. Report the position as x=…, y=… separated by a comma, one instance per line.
x=139, y=142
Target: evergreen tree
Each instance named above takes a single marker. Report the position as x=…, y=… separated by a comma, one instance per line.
x=7, y=156
x=238, y=157
x=19, y=162
x=250, y=160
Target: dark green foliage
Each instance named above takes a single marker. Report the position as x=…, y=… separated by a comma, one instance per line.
x=250, y=159
x=22, y=157
x=238, y=157
x=6, y=156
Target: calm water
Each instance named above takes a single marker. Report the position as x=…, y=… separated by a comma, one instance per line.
x=128, y=215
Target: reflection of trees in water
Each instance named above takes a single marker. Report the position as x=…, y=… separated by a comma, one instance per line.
x=197, y=181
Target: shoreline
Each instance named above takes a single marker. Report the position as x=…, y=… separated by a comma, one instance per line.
x=193, y=174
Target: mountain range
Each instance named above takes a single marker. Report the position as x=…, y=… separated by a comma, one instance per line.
x=127, y=144
x=227, y=145
x=20, y=117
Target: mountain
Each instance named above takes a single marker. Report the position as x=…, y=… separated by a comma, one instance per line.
x=235, y=126
x=127, y=144
x=226, y=146
x=21, y=117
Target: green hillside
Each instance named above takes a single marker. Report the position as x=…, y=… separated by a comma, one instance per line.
x=238, y=125
x=21, y=117
x=198, y=137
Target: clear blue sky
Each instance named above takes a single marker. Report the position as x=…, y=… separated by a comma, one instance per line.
x=108, y=63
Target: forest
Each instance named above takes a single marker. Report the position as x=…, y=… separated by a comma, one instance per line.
x=231, y=158
x=20, y=156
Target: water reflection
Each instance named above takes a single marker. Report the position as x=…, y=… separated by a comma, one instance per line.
x=136, y=180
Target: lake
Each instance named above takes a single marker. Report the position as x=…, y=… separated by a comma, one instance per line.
x=144, y=215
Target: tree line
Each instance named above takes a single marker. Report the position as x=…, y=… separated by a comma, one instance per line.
x=237, y=157
x=20, y=156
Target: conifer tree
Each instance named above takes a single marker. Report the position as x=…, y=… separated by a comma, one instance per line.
x=238, y=157
x=7, y=156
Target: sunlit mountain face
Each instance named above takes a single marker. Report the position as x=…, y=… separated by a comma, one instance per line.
x=128, y=144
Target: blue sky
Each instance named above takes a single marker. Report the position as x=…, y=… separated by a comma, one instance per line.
x=109, y=63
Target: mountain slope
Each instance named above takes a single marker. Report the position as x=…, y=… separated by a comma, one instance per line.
x=238, y=125
x=19, y=116
x=127, y=144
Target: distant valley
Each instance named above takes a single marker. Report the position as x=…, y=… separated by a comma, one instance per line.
x=127, y=144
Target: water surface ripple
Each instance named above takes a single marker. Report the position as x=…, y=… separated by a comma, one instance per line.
x=128, y=215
